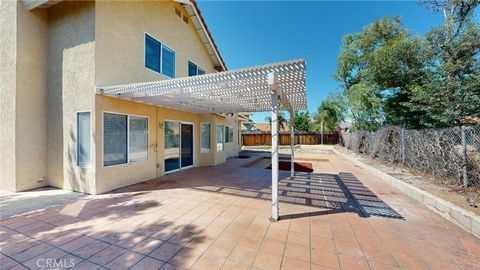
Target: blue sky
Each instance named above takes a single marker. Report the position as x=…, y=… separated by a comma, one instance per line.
x=253, y=33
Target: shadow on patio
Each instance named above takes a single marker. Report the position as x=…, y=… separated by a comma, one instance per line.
x=332, y=193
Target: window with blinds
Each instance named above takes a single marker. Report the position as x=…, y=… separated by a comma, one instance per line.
x=205, y=130
x=114, y=139
x=84, y=139
x=138, y=139
x=125, y=139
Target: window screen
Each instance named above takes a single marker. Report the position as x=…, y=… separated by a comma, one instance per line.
x=168, y=62
x=138, y=139
x=219, y=138
x=205, y=130
x=84, y=139
x=114, y=139
x=152, y=53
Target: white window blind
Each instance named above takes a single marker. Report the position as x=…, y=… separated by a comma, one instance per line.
x=219, y=138
x=114, y=139
x=205, y=130
x=138, y=139
x=84, y=139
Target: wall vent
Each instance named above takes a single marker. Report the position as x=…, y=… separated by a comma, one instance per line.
x=185, y=19
x=178, y=12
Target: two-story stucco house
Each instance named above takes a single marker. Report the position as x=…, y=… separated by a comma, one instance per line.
x=55, y=128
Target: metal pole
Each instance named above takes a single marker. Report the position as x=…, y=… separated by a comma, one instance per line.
x=464, y=157
x=292, y=146
x=274, y=156
x=322, y=135
x=402, y=145
x=272, y=82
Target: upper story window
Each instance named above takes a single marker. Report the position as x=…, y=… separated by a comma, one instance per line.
x=152, y=53
x=159, y=57
x=194, y=70
x=168, y=62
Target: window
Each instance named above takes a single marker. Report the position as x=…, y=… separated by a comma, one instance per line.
x=172, y=146
x=125, y=139
x=228, y=134
x=205, y=130
x=152, y=53
x=84, y=139
x=194, y=70
x=114, y=139
x=138, y=139
x=219, y=138
x=159, y=57
x=168, y=62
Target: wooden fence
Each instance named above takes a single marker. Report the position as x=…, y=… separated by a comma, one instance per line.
x=265, y=138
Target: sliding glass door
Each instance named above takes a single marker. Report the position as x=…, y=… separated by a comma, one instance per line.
x=178, y=145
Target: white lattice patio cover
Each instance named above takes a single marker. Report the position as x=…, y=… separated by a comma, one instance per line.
x=243, y=90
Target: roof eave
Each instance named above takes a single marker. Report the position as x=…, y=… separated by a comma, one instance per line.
x=202, y=28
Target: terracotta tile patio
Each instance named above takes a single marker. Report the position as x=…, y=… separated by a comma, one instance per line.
x=339, y=217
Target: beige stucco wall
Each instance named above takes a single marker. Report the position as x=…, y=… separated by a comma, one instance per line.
x=111, y=177
x=120, y=29
x=120, y=59
x=8, y=71
x=77, y=46
x=23, y=97
x=31, y=123
x=78, y=96
x=71, y=30
x=232, y=148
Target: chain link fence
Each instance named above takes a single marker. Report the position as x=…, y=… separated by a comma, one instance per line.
x=449, y=153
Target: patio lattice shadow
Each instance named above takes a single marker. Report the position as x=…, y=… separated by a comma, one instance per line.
x=331, y=193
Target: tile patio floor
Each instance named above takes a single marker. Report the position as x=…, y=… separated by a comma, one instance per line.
x=339, y=217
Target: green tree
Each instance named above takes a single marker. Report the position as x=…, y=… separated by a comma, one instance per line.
x=452, y=95
x=329, y=114
x=378, y=68
x=282, y=121
x=302, y=121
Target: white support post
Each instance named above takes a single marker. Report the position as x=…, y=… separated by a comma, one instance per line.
x=292, y=145
x=273, y=86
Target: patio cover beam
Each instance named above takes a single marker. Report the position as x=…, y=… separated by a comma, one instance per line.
x=236, y=91
x=273, y=87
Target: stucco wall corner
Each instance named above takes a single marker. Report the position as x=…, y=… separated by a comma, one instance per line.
x=8, y=58
x=78, y=96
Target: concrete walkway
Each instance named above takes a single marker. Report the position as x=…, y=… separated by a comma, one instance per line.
x=339, y=217
x=12, y=203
